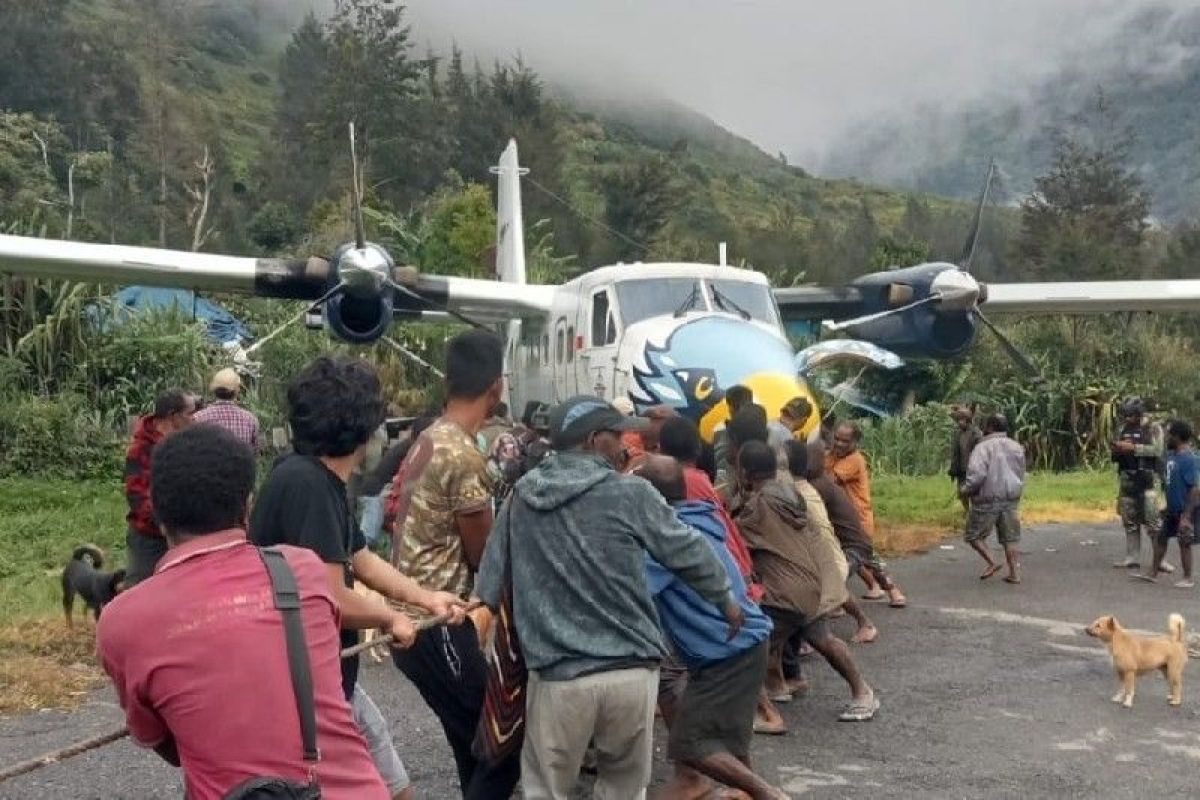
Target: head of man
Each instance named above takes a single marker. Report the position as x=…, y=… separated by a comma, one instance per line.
x=995, y=423
x=656, y=417
x=592, y=425
x=748, y=425
x=475, y=370
x=798, y=458
x=795, y=414
x=736, y=397
x=962, y=417
x=1132, y=411
x=226, y=384
x=846, y=437
x=173, y=410
x=756, y=464
x=664, y=474
x=201, y=481
x=680, y=439
x=1179, y=434
x=334, y=406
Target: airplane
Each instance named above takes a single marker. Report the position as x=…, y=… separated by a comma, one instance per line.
x=676, y=334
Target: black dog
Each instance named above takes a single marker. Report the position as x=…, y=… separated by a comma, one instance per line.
x=82, y=576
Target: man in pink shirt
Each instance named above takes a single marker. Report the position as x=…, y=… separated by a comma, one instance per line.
x=197, y=651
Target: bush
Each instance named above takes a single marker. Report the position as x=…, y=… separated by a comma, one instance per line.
x=915, y=444
x=60, y=436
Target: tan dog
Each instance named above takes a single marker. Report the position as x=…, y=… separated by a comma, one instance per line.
x=1133, y=656
x=369, y=635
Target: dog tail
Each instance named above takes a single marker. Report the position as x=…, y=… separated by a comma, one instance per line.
x=1175, y=626
x=94, y=554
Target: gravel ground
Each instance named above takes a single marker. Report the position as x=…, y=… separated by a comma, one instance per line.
x=988, y=690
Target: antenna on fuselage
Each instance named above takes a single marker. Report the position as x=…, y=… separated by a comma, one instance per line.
x=723, y=254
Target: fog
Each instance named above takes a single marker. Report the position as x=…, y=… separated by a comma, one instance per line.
x=797, y=77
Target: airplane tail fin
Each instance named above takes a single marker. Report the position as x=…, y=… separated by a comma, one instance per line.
x=510, y=227
x=1175, y=625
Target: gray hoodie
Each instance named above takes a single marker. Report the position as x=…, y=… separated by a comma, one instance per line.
x=579, y=536
x=995, y=472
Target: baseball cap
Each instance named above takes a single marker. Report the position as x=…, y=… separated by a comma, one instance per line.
x=573, y=420
x=227, y=379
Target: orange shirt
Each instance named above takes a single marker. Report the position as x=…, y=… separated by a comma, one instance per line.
x=851, y=473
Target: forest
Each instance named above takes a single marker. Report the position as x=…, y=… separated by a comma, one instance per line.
x=220, y=126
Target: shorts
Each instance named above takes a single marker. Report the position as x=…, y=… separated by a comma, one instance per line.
x=716, y=711
x=786, y=624
x=374, y=729
x=1170, y=528
x=1006, y=519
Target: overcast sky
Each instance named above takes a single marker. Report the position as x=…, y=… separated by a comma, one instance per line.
x=794, y=75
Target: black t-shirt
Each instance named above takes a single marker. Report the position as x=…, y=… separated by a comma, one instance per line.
x=843, y=516
x=304, y=504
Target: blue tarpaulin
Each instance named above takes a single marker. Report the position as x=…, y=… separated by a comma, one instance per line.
x=222, y=326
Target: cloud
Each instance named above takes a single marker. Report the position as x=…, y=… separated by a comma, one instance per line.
x=797, y=76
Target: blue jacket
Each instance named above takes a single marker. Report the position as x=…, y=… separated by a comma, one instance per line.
x=694, y=625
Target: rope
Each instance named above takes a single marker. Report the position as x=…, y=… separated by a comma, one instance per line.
x=80, y=747
x=404, y=351
x=567, y=204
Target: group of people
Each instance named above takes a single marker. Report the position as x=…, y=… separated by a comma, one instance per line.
x=635, y=569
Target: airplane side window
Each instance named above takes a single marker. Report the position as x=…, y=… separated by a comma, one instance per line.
x=600, y=318
x=571, y=343
x=545, y=348
x=558, y=347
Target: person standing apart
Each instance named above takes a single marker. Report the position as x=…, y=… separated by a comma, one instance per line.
x=1183, y=501
x=1138, y=452
x=226, y=387
x=994, y=484
x=144, y=541
x=962, y=442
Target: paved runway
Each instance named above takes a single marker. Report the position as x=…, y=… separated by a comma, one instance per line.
x=988, y=690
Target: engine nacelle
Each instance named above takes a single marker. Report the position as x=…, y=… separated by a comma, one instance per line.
x=359, y=320
x=931, y=330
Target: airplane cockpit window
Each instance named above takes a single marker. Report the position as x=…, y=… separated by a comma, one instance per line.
x=656, y=297
x=571, y=343
x=746, y=299
x=604, y=323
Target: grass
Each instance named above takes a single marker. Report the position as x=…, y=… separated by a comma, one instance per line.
x=915, y=513
x=41, y=521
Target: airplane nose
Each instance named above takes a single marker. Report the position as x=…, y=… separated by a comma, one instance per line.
x=772, y=391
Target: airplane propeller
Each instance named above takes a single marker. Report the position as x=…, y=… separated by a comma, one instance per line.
x=954, y=289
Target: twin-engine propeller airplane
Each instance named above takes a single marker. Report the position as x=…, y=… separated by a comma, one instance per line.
x=674, y=334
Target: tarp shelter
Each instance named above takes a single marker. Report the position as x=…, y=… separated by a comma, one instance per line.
x=222, y=326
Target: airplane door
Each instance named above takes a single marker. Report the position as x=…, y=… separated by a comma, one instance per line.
x=561, y=367
x=599, y=357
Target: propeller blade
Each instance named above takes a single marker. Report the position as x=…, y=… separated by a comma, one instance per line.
x=973, y=238
x=360, y=234
x=837, y=327
x=1015, y=354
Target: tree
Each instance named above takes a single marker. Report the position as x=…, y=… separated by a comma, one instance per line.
x=1086, y=217
x=638, y=199
x=302, y=171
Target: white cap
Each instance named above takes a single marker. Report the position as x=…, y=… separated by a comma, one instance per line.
x=226, y=379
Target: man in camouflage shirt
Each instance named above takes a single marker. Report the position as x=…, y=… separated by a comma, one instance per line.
x=1138, y=453
x=441, y=505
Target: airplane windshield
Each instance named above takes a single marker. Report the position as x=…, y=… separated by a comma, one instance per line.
x=656, y=297
x=738, y=296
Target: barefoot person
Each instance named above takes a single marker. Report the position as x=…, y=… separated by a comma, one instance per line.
x=847, y=466
x=994, y=484
x=711, y=720
x=1183, y=501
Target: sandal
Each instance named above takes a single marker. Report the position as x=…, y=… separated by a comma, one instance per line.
x=873, y=634
x=1011, y=579
x=769, y=729
x=990, y=571
x=880, y=595
x=860, y=710
x=899, y=602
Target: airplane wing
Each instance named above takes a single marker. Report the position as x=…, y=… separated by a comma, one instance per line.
x=413, y=294
x=1092, y=297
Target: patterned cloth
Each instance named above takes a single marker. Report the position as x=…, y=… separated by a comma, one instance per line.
x=141, y=517
x=443, y=475
x=233, y=418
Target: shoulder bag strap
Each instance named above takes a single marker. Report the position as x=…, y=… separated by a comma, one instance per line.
x=287, y=601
